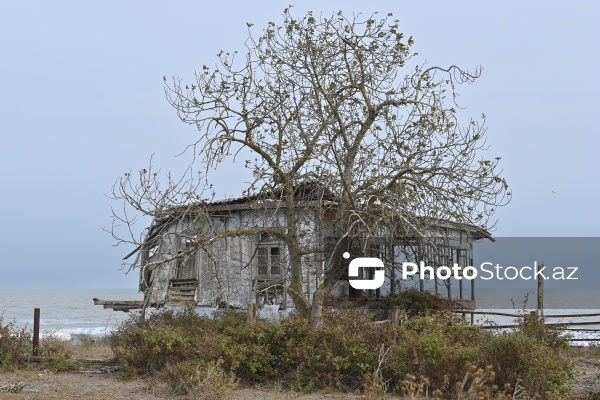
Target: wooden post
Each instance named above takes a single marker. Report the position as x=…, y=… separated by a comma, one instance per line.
x=390, y=256
x=395, y=315
x=36, y=331
x=460, y=296
x=421, y=255
x=473, y=299
x=251, y=312
x=540, y=294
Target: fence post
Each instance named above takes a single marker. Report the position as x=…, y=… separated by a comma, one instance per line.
x=540, y=294
x=36, y=331
x=395, y=316
x=251, y=312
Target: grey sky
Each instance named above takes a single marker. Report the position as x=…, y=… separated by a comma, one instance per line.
x=81, y=102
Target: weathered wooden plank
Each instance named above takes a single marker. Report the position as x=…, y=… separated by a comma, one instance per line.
x=583, y=323
x=522, y=315
x=100, y=302
x=121, y=305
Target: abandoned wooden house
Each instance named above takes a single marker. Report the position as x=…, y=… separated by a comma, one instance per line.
x=208, y=255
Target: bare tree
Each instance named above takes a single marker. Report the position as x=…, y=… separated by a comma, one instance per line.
x=341, y=101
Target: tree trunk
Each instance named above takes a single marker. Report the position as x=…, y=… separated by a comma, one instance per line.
x=316, y=312
x=296, y=284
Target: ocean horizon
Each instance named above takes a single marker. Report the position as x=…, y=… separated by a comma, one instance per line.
x=65, y=312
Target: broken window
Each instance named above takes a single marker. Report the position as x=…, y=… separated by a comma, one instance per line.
x=152, y=248
x=219, y=223
x=269, y=278
x=187, y=240
x=269, y=261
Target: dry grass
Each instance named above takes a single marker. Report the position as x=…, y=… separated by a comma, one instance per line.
x=88, y=348
x=590, y=353
x=42, y=385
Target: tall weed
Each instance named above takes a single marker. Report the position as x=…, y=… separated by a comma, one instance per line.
x=15, y=343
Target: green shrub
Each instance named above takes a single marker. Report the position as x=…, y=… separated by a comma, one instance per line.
x=533, y=353
x=165, y=338
x=350, y=352
x=330, y=357
x=436, y=346
x=56, y=355
x=148, y=350
x=15, y=343
x=532, y=326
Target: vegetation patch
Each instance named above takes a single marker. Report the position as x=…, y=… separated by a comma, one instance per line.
x=436, y=352
x=414, y=302
x=15, y=343
x=56, y=355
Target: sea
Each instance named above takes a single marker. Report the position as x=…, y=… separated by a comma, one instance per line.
x=65, y=313
x=69, y=313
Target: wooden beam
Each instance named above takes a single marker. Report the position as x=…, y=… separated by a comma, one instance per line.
x=121, y=305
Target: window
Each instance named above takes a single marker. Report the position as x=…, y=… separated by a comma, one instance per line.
x=219, y=223
x=461, y=257
x=152, y=248
x=269, y=261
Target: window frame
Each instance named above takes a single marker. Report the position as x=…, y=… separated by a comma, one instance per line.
x=269, y=245
x=273, y=261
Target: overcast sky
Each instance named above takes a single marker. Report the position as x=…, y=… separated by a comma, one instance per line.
x=82, y=102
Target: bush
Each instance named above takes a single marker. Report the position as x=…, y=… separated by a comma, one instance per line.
x=56, y=355
x=436, y=346
x=532, y=354
x=350, y=352
x=15, y=343
x=164, y=339
x=263, y=351
x=202, y=381
x=330, y=357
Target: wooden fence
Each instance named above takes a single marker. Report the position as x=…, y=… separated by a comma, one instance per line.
x=567, y=326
